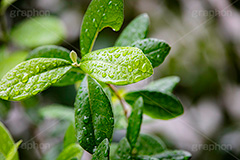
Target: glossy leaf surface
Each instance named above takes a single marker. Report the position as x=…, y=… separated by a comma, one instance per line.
x=71, y=152
x=117, y=65
x=136, y=30
x=102, y=152
x=93, y=115
x=175, y=154
x=99, y=15
x=157, y=104
x=31, y=77
x=155, y=50
x=123, y=151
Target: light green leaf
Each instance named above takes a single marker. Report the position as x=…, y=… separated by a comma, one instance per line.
x=38, y=31
x=135, y=121
x=13, y=154
x=136, y=30
x=174, y=154
x=7, y=63
x=155, y=50
x=123, y=151
x=99, y=15
x=102, y=152
x=149, y=145
x=117, y=65
x=157, y=104
x=31, y=77
x=57, y=111
x=69, y=137
x=50, y=51
x=4, y=5
x=9, y=149
x=72, y=151
x=119, y=117
x=93, y=115
x=165, y=85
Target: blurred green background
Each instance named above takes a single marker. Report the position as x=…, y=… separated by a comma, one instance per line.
x=204, y=36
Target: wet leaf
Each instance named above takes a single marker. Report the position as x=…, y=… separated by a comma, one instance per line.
x=93, y=115
x=117, y=65
x=123, y=151
x=174, y=154
x=31, y=77
x=135, y=121
x=136, y=30
x=38, y=31
x=157, y=104
x=155, y=50
x=102, y=152
x=99, y=15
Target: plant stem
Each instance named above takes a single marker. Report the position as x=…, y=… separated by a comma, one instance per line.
x=4, y=28
x=122, y=101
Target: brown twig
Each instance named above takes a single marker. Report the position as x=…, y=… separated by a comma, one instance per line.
x=122, y=101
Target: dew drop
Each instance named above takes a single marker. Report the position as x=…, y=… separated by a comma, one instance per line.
x=85, y=119
x=17, y=92
x=130, y=69
x=84, y=131
x=104, y=74
x=144, y=67
x=124, y=53
x=86, y=30
x=25, y=78
x=116, y=55
x=78, y=111
x=111, y=75
x=37, y=69
x=93, y=20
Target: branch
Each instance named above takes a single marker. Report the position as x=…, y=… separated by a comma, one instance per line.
x=122, y=101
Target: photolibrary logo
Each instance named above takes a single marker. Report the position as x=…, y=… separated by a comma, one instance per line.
x=211, y=13
x=34, y=145
x=211, y=147
x=29, y=13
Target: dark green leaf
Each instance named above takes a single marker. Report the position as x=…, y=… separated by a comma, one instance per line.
x=165, y=85
x=38, y=31
x=99, y=15
x=102, y=152
x=7, y=63
x=50, y=51
x=93, y=115
x=157, y=104
x=72, y=151
x=4, y=5
x=57, y=111
x=175, y=154
x=4, y=108
x=117, y=65
x=123, y=151
x=135, y=121
x=155, y=50
x=149, y=145
x=136, y=30
x=31, y=77
x=9, y=149
x=70, y=137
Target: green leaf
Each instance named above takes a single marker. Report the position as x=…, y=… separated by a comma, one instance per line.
x=13, y=154
x=31, y=77
x=69, y=78
x=72, y=151
x=102, y=152
x=38, y=31
x=50, y=51
x=149, y=145
x=9, y=149
x=57, y=111
x=7, y=63
x=165, y=85
x=99, y=15
x=5, y=107
x=93, y=115
x=4, y=5
x=135, y=121
x=145, y=158
x=119, y=117
x=136, y=30
x=123, y=151
x=175, y=154
x=157, y=104
x=155, y=50
x=69, y=137
x=117, y=65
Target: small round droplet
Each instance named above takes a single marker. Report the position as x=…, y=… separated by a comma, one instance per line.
x=25, y=78
x=116, y=55
x=78, y=111
x=130, y=69
x=85, y=119
x=104, y=75
x=111, y=75
x=144, y=68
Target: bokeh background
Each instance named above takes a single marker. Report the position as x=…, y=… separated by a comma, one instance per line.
x=204, y=36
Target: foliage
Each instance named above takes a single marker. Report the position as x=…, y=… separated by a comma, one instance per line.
x=131, y=60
